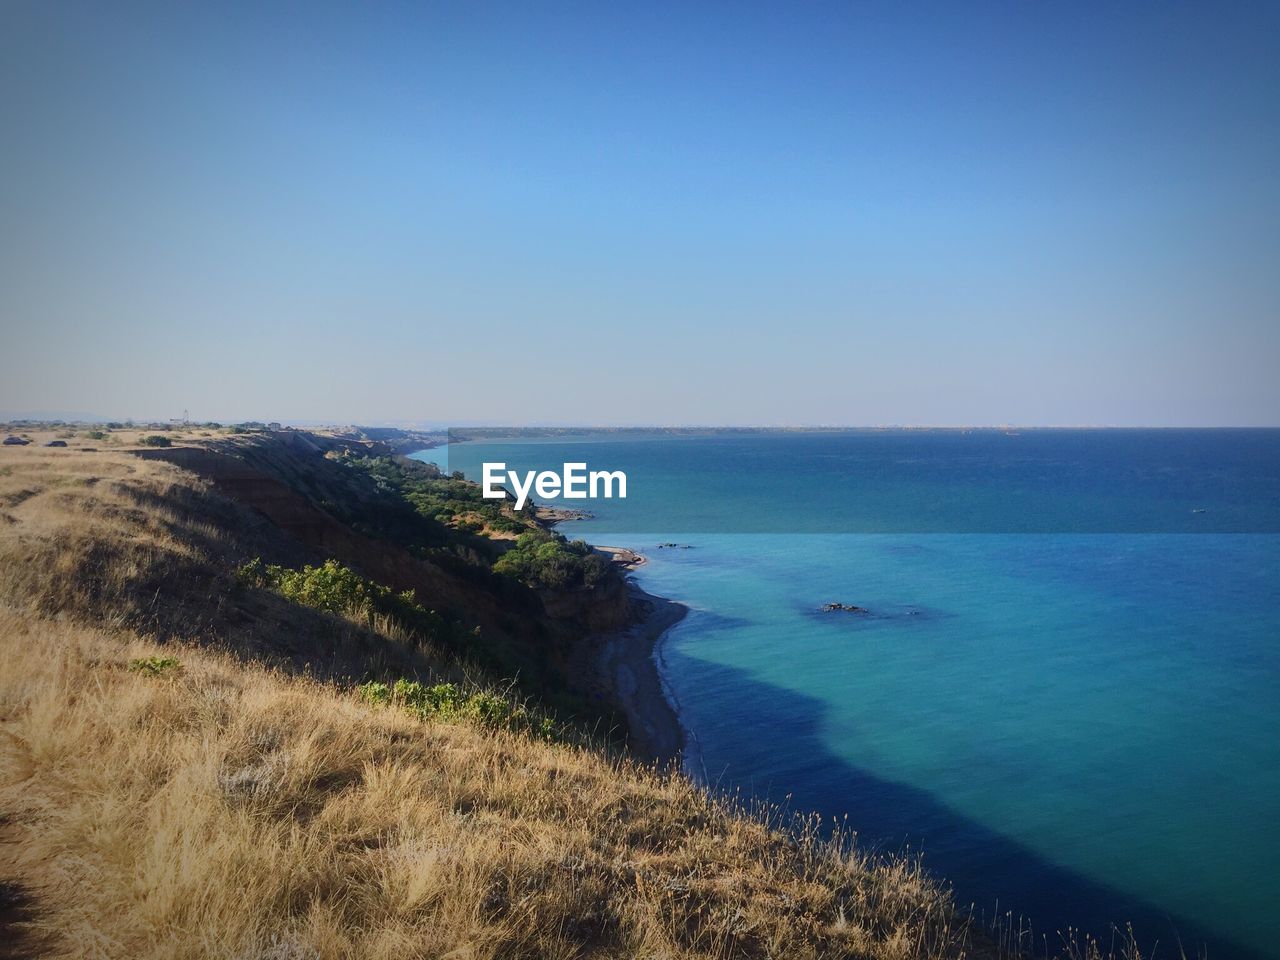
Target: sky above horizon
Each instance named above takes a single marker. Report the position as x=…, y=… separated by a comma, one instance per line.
x=856, y=214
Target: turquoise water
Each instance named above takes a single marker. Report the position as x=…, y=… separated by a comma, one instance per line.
x=1082, y=728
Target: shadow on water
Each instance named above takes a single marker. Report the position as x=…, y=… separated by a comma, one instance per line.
x=709, y=620
x=986, y=869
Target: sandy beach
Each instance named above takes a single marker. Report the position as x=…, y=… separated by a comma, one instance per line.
x=624, y=664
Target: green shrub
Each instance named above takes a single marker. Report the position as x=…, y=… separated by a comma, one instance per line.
x=449, y=702
x=330, y=586
x=154, y=666
x=544, y=559
x=340, y=590
x=96, y=434
x=374, y=692
x=155, y=440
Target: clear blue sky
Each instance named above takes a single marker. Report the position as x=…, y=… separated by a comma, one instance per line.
x=856, y=213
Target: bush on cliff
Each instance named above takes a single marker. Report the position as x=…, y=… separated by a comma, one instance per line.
x=338, y=589
x=449, y=702
x=544, y=559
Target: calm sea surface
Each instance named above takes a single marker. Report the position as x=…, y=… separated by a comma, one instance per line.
x=1066, y=691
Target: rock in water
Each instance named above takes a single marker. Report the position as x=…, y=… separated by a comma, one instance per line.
x=843, y=608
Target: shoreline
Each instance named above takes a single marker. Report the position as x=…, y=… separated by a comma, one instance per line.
x=625, y=664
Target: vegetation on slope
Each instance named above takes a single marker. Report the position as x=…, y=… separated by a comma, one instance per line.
x=409, y=504
x=541, y=558
x=338, y=589
x=449, y=701
x=343, y=501
x=449, y=500
x=446, y=509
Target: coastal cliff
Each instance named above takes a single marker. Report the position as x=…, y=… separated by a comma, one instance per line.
x=273, y=697
x=320, y=490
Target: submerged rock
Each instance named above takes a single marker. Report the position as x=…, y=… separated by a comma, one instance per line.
x=843, y=608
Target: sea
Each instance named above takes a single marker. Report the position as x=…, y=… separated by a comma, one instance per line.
x=1061, y=686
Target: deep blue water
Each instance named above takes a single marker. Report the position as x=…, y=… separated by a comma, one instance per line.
x=1080, y=723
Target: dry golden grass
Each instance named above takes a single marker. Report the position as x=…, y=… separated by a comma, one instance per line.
x=79, y=436
x=75, y=526
x=228, y=810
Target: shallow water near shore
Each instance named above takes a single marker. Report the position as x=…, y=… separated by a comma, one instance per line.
x=1082, y=728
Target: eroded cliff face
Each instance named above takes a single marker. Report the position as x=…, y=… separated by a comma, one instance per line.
x=596, y=609
x=288, y=478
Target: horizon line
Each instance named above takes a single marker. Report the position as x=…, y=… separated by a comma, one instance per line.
x=424, y=425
